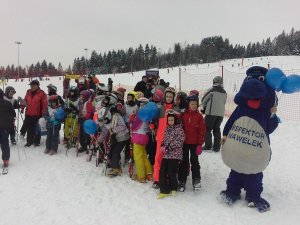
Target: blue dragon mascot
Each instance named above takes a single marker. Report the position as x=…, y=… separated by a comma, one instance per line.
x=246, y=143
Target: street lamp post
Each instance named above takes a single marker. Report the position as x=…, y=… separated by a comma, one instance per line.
x=158, y=55
x=86, y=60
x=18, y=43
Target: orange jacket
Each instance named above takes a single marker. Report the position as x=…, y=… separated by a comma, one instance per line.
x=162, y=121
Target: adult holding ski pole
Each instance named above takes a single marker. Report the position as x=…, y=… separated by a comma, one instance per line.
x=7, y=115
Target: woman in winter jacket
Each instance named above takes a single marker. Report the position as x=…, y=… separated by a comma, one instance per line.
x=171, y=149
x=194, y=130
x=139, y=136
x=119, y=135
x=167, y=105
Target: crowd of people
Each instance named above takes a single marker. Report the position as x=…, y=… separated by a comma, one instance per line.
x=164, y=150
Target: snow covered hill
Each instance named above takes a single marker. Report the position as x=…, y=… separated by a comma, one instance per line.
x=63, y=190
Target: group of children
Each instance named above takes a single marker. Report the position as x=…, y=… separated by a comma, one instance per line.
x=164, y=149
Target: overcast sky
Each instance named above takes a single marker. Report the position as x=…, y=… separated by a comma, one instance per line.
x=59, y=30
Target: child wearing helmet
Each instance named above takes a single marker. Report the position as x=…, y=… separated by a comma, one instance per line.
x=53, y=126
x=139, y=136
x=171, y=149
x=194, y=129
x=168, y=104
x=72, y=109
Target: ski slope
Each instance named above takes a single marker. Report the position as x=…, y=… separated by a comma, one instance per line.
x=67, y=190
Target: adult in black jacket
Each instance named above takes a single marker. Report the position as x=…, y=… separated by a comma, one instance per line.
x=7, y=115
x=142, y=85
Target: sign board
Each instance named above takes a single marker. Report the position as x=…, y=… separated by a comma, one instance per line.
x=152, y=73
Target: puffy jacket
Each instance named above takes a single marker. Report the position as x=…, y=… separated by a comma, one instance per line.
x=88, y=110
x=162, y=122
x=36, y=103
x=214, y=101
x=7, y=114
x=194, y=127
x=173, y=142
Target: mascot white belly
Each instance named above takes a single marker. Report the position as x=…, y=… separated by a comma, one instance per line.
x=247, y=149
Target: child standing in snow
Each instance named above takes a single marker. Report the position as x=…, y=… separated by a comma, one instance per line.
x=168, y=104
x=140, y=137
x=119, y=136
x=53, y=126
x=194, y=130
x=171, y=149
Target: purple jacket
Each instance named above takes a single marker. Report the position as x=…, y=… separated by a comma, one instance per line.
x=173, y=142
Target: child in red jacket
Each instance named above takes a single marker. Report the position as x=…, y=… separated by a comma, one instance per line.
x=194, y=130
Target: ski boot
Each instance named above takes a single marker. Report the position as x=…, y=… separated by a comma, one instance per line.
x=155, y=185
x=162, y=195
x=196, y=185
x=229, y=199
x=262, y=205
x=13, y=141
x=181, y=187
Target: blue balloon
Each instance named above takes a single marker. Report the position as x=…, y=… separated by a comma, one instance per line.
x=148, y=112
x=59, y=114
x=89, y=127
x=275, y=78
x=291, y=84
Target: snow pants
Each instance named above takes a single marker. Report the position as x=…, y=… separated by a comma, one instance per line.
x=32, y=126
x=52, y=138
x=143, y=166
x=4, y=144
x=213, y=124
x=189, y=150
x=158, y=160
x=252, y=183
x=71, y=127
x=151, y=149
x=168, y=176
x=115, y=154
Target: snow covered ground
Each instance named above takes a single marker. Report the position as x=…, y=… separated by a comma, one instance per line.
x=60, y=189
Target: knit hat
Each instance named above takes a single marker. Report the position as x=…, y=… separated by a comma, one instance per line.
x=217, y=81
x=194, y=92
x=35, y=82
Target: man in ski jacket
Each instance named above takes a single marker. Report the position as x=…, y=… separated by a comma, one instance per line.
x=213, y=103
x=35, y=102
x=7, y=115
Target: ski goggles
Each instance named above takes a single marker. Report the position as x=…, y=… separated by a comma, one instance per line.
x=12, y=92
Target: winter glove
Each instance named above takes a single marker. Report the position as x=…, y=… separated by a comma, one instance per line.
x=151, y=126
x=198, y=150
x=132, y=118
